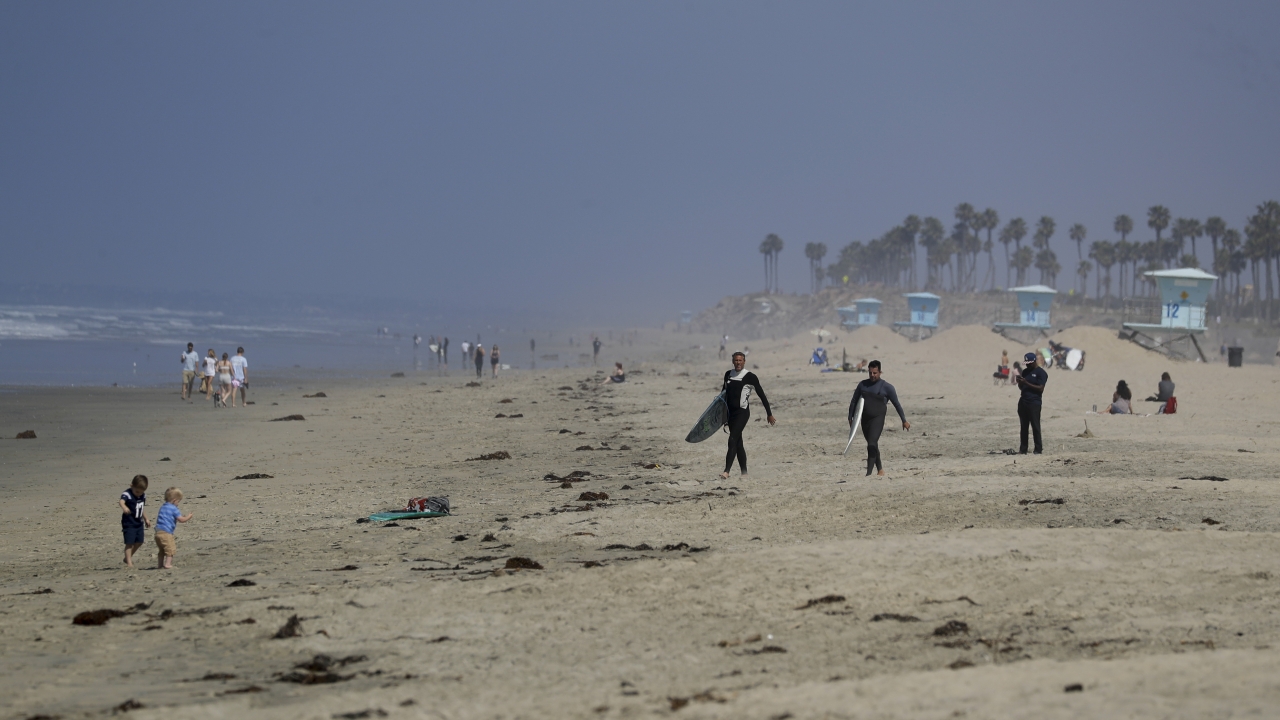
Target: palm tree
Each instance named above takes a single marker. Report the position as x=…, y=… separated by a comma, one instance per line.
x=1022, y=260
x=990, y=220
x=770, y=248
x=1078, y=233
x=777, y=248
x=815, y=252
x=1158, y=219
x=1045, y=259
x=1124, y=226
x=911, y=230
x=766, y=249
x=1214, y=227
x=1083, y=271
x=1015, y=230
x=1103, y=254
x=931, y=234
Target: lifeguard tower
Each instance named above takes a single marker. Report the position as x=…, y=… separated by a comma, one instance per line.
x=1034, y=304
x=1179, y=318
x=864, y=311
x=922, y=317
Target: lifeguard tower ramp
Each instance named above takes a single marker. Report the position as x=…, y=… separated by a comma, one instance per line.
x=922, y=317
x=1030, y=319
x=1174, y=325
x=864, y=311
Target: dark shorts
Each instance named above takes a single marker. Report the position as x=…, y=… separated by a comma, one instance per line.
x=134, y=535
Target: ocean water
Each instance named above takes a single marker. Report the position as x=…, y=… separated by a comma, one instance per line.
x=76, y=346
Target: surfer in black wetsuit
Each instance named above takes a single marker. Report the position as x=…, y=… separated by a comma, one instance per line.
x=738, y=384
x=876, y=395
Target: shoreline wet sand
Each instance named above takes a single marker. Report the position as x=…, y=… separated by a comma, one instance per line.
x=967, y=581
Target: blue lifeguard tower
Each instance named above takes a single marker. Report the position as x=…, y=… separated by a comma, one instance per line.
x=1034, y=305
x=864, y=311
x=1181, y=315
x=922, y=317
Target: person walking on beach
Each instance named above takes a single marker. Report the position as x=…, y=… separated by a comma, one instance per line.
x=239, y=381
x=1031, y=381
x=737, y=387
x=224, y=379
x=210, y=369
x=875, y=394
x=479, y=361
x=493, y=361
x=466, y=352
x=595, y=350
x=444, y=351
x=190, y=361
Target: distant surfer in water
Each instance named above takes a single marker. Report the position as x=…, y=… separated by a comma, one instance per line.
x=738, y=384
x=876, y=395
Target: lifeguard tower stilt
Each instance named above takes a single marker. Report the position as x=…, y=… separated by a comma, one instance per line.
x=922, y=320
x=1178, y=320
x=864, y=311
x=1031, y=321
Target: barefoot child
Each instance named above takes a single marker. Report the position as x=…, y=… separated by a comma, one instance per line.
x=166, y=525
x=132, y=518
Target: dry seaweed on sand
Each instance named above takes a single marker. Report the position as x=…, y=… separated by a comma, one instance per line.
x=254, y=476
x=286, y=418
x=824, y=600
x=894, y=616
x=291, y=628
x=100, y=617
x=499, y=455
x=522, y=563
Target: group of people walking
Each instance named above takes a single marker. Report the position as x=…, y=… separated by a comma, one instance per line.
x=230, y=372
x=876, y=394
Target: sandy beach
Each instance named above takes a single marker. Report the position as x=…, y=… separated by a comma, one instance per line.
x=965, y=583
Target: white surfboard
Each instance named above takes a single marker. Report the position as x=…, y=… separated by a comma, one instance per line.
x=1073, y=358
x=857, y=423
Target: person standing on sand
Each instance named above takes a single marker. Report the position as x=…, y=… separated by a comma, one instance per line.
x=239, y=380
x=737, y=387
x=444, y=351
x=595, y=350
x=466, y=352
x=190, y=360
x=479, y=361
x=210, y=369
x=875, y=394
x=493, y=361
x=1031, y=381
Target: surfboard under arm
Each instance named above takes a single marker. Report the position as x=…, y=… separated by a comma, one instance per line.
x=857, y=423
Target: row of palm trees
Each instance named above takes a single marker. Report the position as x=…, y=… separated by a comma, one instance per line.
x=953, y=257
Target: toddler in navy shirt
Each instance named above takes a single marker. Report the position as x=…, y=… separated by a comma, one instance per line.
x=133, y=519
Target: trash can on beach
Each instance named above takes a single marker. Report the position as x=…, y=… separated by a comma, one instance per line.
x=1235, y=356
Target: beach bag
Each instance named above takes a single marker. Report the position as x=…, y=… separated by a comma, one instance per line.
x=1171, y=406
x=428, y=504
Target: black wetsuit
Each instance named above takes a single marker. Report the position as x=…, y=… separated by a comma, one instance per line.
x=1029, y=407
x=876, y=396
x=737, y=389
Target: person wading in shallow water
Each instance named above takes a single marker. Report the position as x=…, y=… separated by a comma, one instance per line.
x=876, y=395
x=738, y=384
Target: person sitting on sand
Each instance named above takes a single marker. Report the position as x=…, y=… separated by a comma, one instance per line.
x=617, y=376
x=1164, y=389
x=1121, y=401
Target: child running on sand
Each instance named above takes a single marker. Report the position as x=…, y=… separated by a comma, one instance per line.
x=133, y=519
x=166, y=525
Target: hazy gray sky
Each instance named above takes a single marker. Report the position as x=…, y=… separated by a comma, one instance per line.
x=598, y=156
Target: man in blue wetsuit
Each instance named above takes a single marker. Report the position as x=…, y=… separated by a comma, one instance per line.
x=876, y=395
x=1031, y=380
